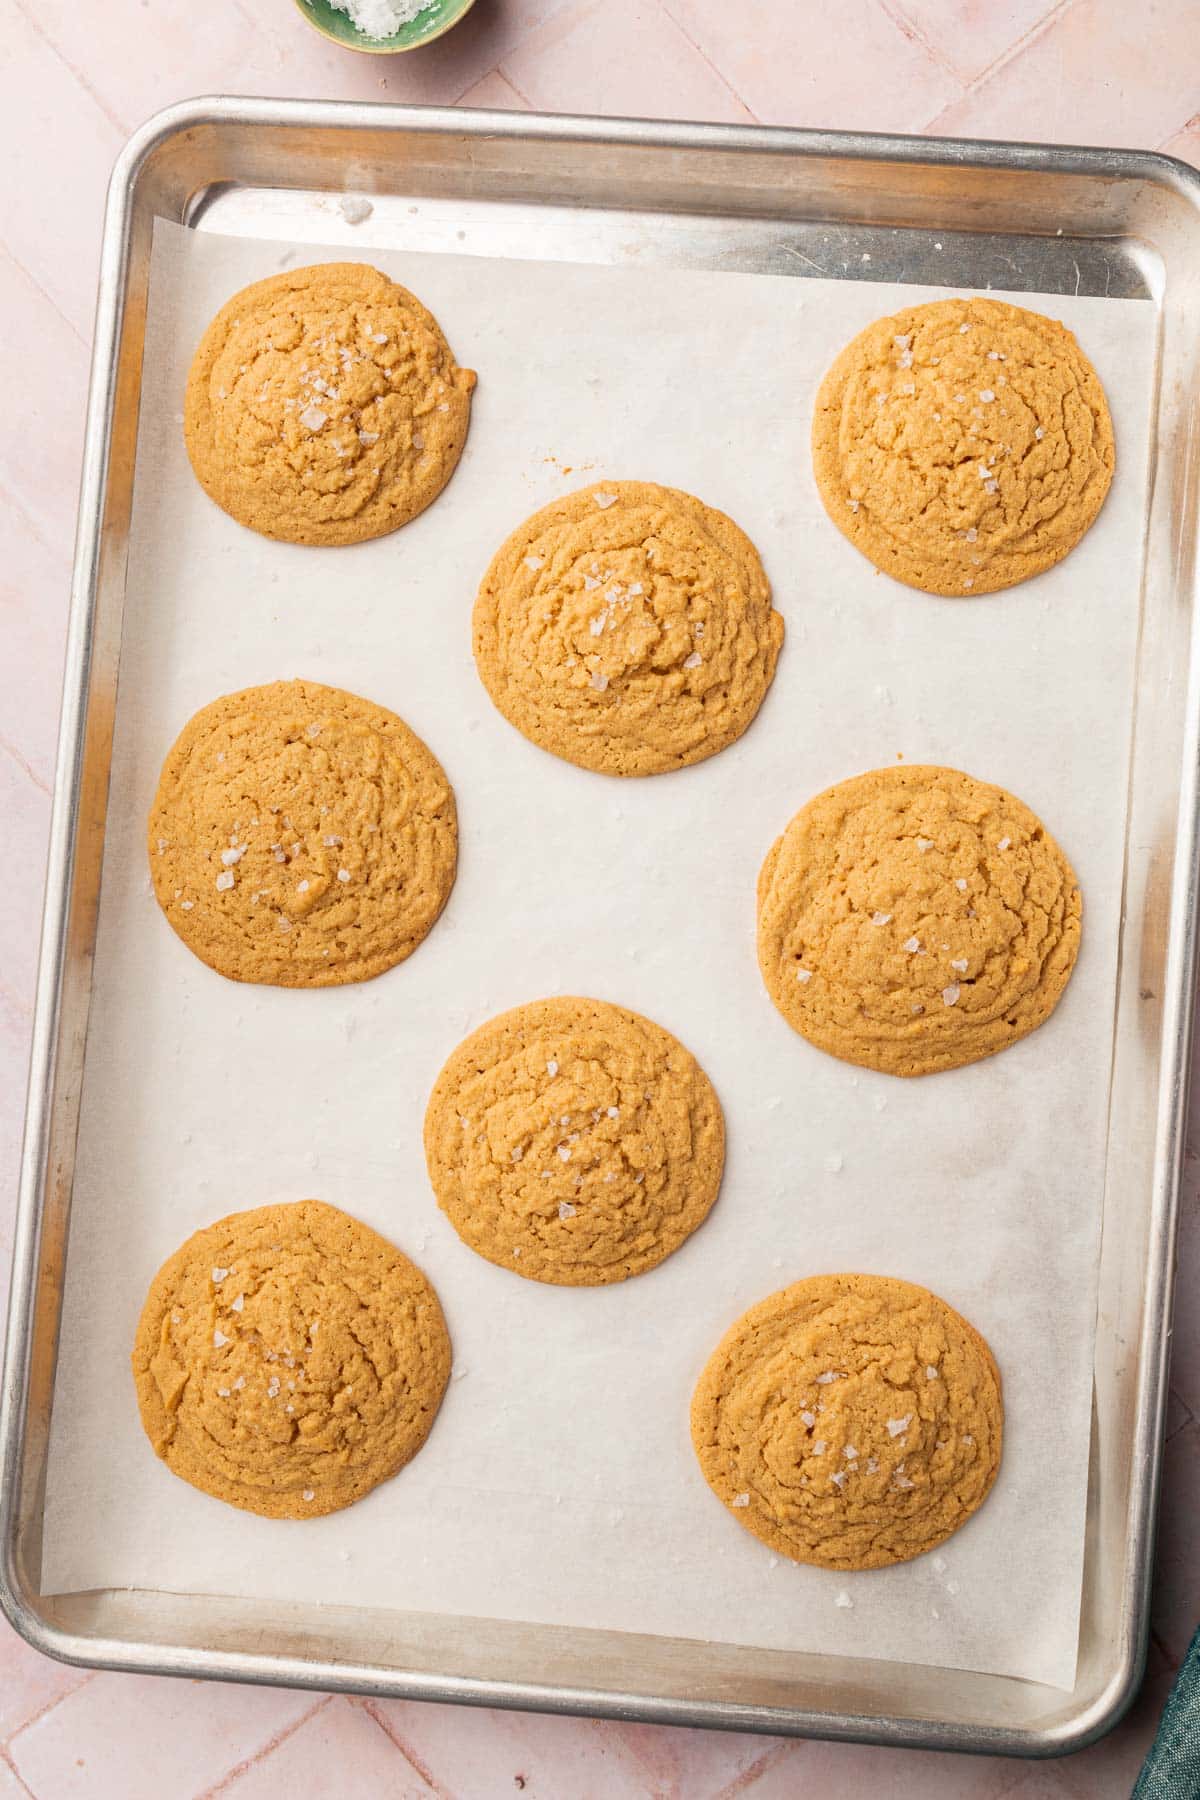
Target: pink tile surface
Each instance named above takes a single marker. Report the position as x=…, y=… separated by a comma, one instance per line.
x=473, y=1753
x=337, y=1750
x=1102, y=72
x=140, y=1738
x=77, y=78
x=858, y=69
x=968, y=36
x=563, y=66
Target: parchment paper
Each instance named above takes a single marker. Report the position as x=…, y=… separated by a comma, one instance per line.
x=559, y=1483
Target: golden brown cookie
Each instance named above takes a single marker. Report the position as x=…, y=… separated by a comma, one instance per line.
x=627, y=628
x=574, y=1142
x=914, y=919
x=963, y=445
x=289, y=1359
x=301, y=836
x=324, y=406
x=850, y=1421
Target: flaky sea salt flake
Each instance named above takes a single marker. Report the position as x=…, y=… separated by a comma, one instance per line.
x=565, y=1210
x=604, y=500
x=804, y=975
x=842, y=1599
x=880, y=918
x=219, y=1339
x=897, y=1426
x=740, y=1500
x=312, y=418
x=950, y=994
x=224, y=881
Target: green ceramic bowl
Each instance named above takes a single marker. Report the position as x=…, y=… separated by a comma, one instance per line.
x=437, y=18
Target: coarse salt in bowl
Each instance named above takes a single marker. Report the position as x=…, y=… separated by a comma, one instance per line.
x=382, y=27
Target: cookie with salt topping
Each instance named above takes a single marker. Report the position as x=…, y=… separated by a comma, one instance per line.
x=301, y=836
x=324, y=406
x=914, y=919
x=627, y=628
x=574, y=1142
x=963, y=445
x=851, y=1421
x=289, y=1359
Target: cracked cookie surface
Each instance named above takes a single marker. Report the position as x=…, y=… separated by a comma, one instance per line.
x=914, y=919
x=289, y=1359
x=324, y=406
x=963, y=445
x=627, y=628
x=574, y=1142
x=301, y=836
x=851, y=1421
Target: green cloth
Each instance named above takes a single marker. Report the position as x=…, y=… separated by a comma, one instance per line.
x=1172, y=1769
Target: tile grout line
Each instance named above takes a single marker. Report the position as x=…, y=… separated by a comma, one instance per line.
x=502, y=72
x=264, y=1750
x=48, y=298
x=370, y=1707
x=654, y=1789
x=1189, y=1418
x=81, y=80
x=14, y=755
x=770, y=1759
x=486, y=76
x=1006, y=57
x=11, y=1766
x=90, y=1674
x=707, y=60
x=1186, y=126
x=908, y=27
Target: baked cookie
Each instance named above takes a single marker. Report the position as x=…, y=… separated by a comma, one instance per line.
x=627, y=628
x=915, y=919
x=574, y=1142
x=289, y=1359
x=324, y=406
x=963, y=445
x=850, y=1421
x=301, y=836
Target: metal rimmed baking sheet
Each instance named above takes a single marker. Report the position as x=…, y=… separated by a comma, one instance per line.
x=736, y=166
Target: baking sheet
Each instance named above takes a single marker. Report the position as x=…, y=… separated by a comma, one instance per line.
x=559, y=1484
